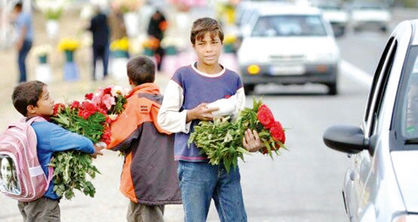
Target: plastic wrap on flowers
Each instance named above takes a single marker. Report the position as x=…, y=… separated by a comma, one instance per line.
x=221, y=140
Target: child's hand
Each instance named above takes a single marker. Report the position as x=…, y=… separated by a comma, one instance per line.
x=97, y=153
x=251, y=141
x=201, y=112
x=98, y=147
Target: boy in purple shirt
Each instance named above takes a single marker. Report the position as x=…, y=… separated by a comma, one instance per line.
x=186, y=102
x=32, y=99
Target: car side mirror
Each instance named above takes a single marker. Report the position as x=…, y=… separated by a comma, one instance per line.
x=347, y=139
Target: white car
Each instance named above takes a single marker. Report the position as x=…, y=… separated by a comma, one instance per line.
x=289, y=45
x=366, y=15
x=336, y=15
x=382, y=184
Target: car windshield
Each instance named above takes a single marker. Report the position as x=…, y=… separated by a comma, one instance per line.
x=289, y=25
x=369, y=7
x=329, y=7
x=409, y=107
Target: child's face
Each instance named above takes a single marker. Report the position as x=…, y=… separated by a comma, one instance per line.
x=208, y=49
x=6, y=170
x=45, y=104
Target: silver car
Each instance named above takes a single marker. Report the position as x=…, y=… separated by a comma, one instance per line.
x=382, y=183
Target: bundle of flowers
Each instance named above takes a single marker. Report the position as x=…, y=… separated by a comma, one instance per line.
x=120, y=44
x=42, y=52
x=120, y=48
x=90, y=118
x=68, y=44
x=171, y=45
x=221, y=140
x=52, y=9
x=229, y=43
x=150, y=45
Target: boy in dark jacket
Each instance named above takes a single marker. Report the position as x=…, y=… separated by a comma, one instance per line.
x=149, y=177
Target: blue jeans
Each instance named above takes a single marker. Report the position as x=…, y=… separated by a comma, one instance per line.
x=23, y=53
x=101, y=52
x=201, y=182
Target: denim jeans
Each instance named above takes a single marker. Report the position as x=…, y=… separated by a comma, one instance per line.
x=101, y=52
x=23, y=53
x=202, y=182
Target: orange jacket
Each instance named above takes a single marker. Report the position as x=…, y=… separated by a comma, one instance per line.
x=149, y=170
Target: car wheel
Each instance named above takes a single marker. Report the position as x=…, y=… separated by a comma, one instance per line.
x=249, y=88
x=332, y=89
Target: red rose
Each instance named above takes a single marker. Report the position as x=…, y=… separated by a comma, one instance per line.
x=277, y=132
x=265, y=116
x=75, y=105
x=108, y=90
x=58, y=108
x=87, y=109
x=108, y=120
x=89, y=96
x=106, y=137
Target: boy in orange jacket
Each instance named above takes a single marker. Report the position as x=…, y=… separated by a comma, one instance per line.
x=149, y=176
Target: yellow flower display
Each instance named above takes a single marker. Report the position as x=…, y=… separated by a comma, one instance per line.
x=120, y=44
x=68, y=44
x=230, y=39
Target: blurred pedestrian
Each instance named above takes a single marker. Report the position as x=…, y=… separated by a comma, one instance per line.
x=156, y=28
x=100, y=29
x=117, y=24
x=24, y=30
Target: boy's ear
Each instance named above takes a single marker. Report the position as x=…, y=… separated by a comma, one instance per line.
x=31, y=109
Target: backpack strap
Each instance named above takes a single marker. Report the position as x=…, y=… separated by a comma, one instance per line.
x=35, y=119
x=50, y=169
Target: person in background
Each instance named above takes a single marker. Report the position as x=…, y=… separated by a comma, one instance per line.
x=101, y=32
x=117, y=24
x=24, y=30
x=156, y=28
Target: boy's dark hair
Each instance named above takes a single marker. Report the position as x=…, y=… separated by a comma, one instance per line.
x=18, y=5
x=25, y=94
x=203, y=25
x=141, y=70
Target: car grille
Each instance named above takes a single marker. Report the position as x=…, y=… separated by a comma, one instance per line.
x=287, y=59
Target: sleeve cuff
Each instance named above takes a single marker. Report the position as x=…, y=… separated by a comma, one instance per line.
x=186, y=128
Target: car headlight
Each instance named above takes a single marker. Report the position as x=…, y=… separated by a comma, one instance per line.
x=405, y=218
x=253, y=69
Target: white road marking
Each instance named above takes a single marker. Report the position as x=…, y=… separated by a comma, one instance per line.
x=353, y=72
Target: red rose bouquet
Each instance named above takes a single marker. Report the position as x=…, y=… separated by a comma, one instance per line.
x=221, y=140
x=90, y=118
